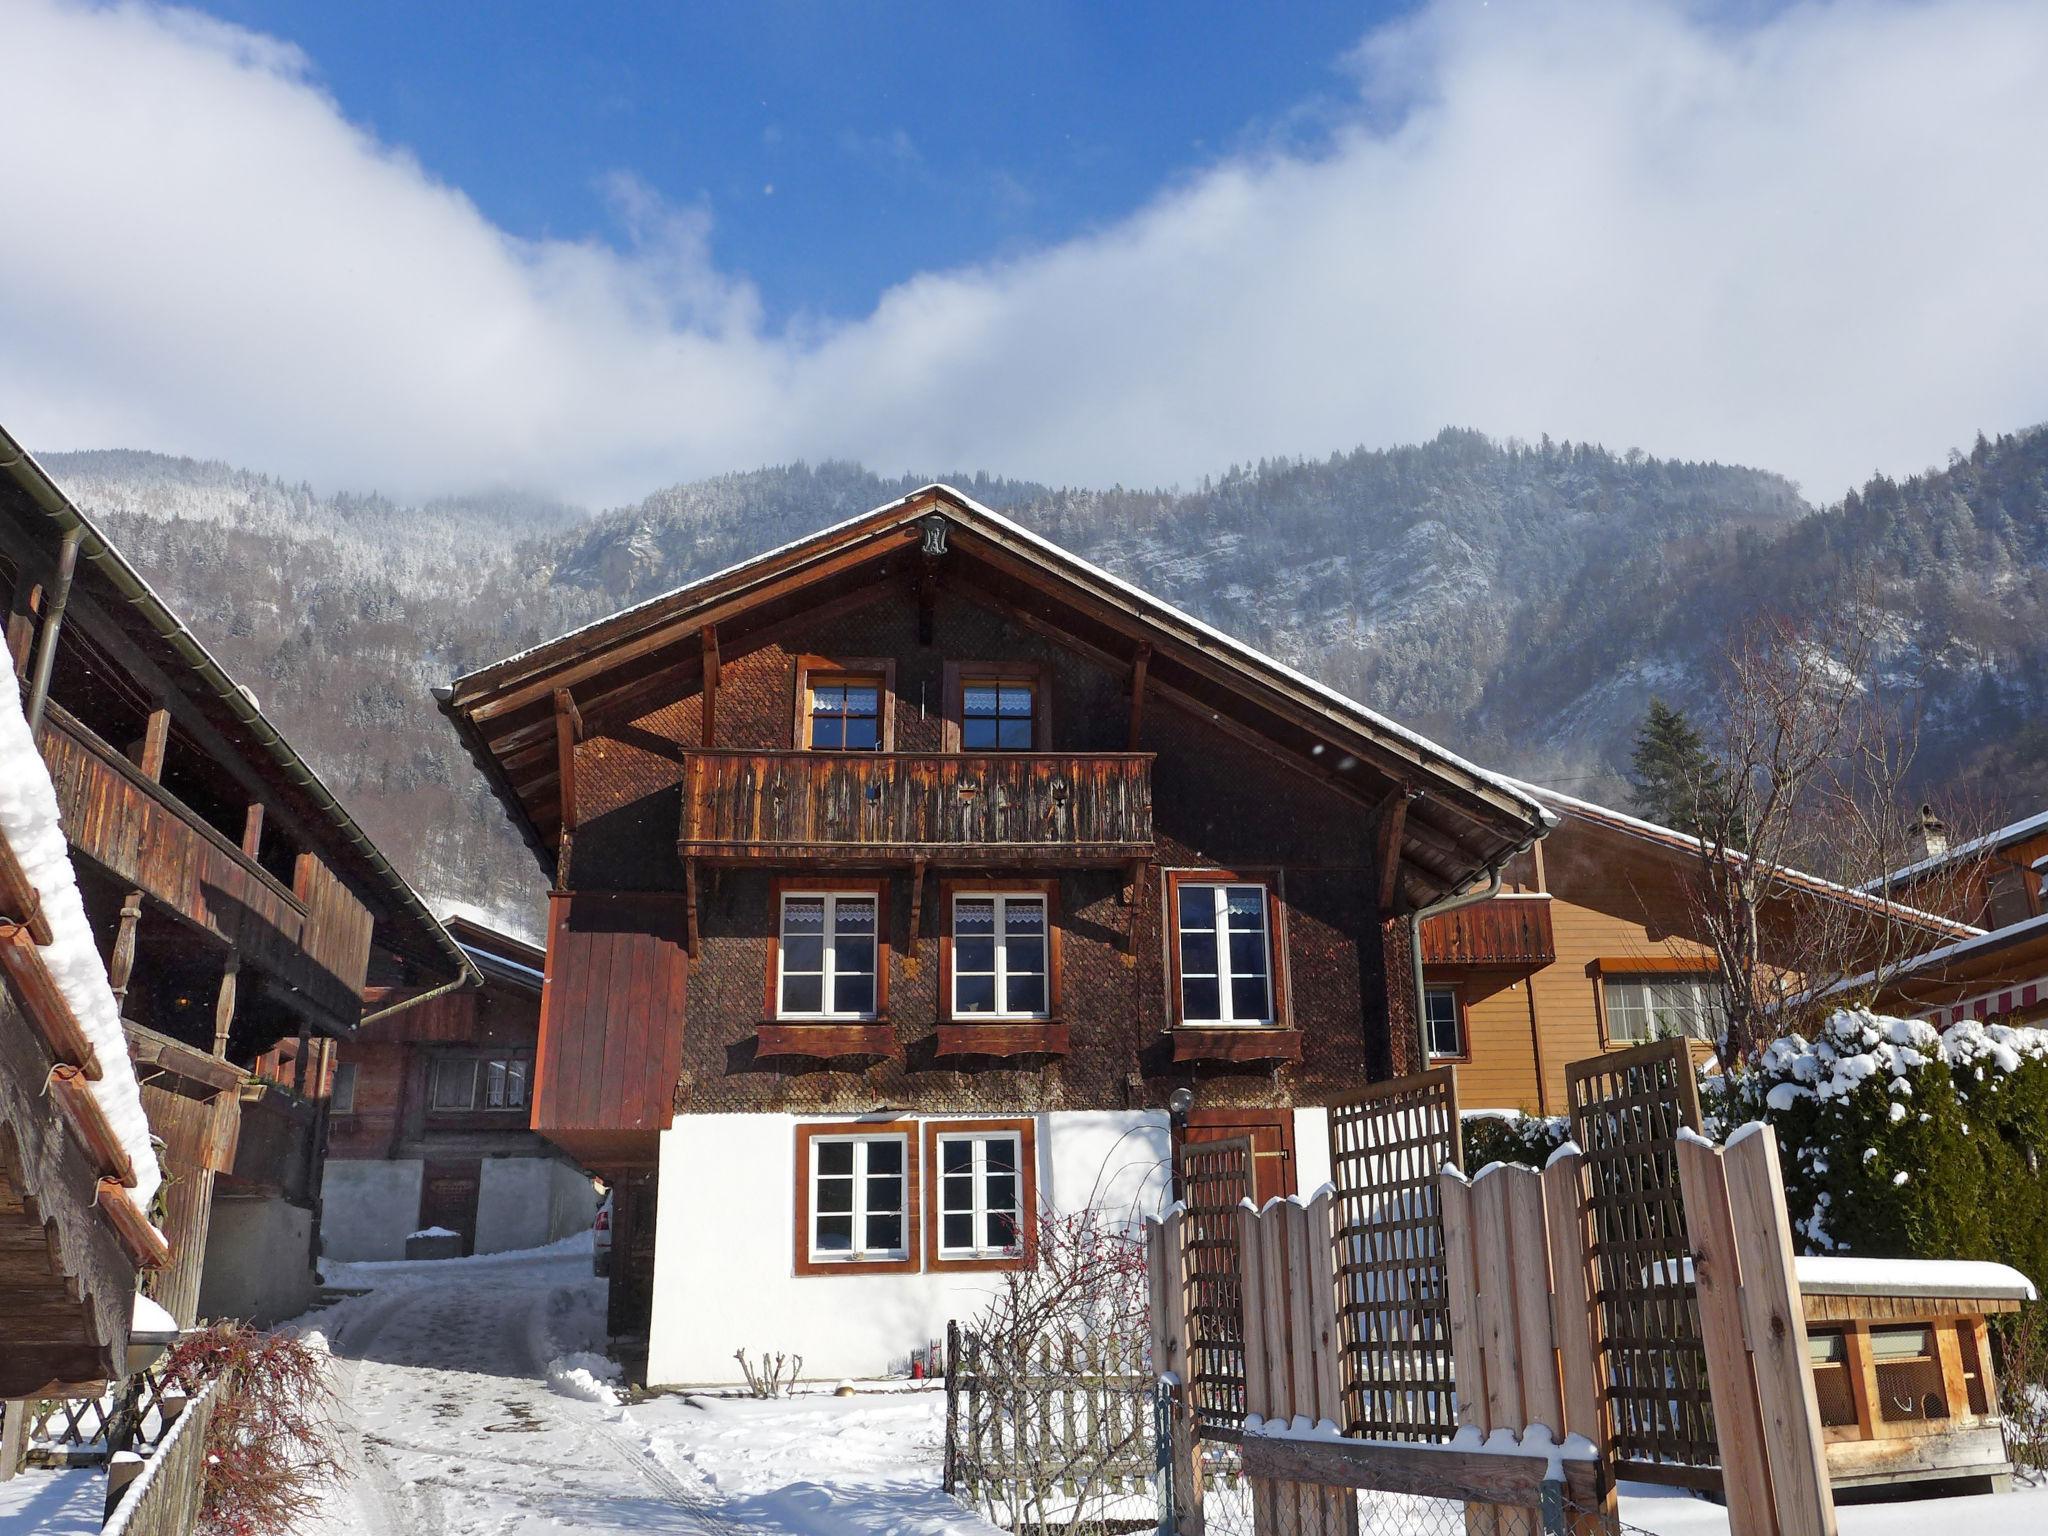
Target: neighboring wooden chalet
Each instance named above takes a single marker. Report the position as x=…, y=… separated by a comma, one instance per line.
x=1594, y=944
x=430, y=1118
x=236, y=903
x=901, y=877
x=2001, y=881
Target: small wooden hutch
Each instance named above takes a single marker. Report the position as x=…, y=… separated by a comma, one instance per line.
x=1902, y=1367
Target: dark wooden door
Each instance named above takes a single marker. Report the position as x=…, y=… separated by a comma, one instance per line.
x=1271, y=1133
x=448, y=1199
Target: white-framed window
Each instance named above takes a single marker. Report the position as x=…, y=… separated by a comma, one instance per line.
x=1663, y=1008
x=1226, y=957
x=475, y=1083
x=1443, y=1024
x=341, y=1098
x=1000, y=949
x=981, y=1194
x=859, y=1187
x=825, y=956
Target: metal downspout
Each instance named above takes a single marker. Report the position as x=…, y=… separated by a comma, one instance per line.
x=53, y=624
x=1449, y=904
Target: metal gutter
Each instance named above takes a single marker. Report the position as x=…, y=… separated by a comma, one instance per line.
x=108, y=562
x=53, y=626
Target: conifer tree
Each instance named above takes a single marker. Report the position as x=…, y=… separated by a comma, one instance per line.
x=1671, y=773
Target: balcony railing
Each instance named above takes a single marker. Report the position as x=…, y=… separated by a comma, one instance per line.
x=141, y=834
x=1036, y=807
x=1507, y=931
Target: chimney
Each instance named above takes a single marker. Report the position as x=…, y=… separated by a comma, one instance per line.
x=1929, y=838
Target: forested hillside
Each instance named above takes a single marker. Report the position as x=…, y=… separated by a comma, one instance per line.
x=1518, y=602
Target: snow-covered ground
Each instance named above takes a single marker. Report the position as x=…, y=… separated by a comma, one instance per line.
x=476, y=1402
x=476, y=1406
x=53, y=1503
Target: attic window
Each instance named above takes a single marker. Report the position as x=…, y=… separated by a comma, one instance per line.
x=845, y=704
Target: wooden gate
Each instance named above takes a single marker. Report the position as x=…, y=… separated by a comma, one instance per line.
x=1627, y=1112
x=1387, y=1147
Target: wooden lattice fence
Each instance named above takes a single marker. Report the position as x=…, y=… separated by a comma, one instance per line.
x=1627, y=1110
x=1216, y=1180
x=1386, y=1148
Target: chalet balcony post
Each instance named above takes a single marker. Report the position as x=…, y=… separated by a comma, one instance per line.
x=224, y=1005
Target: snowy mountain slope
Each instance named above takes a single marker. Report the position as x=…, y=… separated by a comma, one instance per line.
x=1520, y=603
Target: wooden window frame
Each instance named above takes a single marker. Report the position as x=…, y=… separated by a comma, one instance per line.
x=1464, y=1051
x=878, y=669
x=334, y=1093
x=439, y=1116
x=831, y=885
x=811, y=1132
x=1049, y=890
x=1276, y=947
x=1606, y=971
x=1026, y=1130
x=958, y=674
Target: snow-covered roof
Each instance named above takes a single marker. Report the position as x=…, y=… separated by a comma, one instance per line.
x=1672, y=837
x=29, y=823
x=2012, y=832
x=1964, y=1279
x=1979, y=942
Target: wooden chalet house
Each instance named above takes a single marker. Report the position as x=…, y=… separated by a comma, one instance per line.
x=901, y=877
x=1999, y=881
x=237, y=905
x=431, y=1110
x=1592, y=944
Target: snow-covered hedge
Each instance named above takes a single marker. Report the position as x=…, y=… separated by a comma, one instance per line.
x=1510, y=1136
x=1900, y=1141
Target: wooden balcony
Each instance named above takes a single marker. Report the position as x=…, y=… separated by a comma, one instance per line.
x=142, y=835
x=1507, y=931
x=1006, y=807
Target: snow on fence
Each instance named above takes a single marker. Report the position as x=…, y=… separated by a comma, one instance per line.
x=161, y=1496
x=1551, y=1288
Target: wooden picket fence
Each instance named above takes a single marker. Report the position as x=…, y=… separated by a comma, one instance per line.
x=1531, y=1270
x=164, y=1494
x=1064, y=1437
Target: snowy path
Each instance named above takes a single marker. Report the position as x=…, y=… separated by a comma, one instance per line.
x=451, y=1427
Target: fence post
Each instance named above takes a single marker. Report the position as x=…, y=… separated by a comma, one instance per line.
x=1717, y=1284
x=1574, y=1320
x=1777, y=1335
x=951, y=1479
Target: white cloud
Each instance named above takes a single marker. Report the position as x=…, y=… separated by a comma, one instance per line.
x=1813, y=242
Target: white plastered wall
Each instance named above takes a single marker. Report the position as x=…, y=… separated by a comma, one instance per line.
x=368, y=1205
x=725, y=1263
x=528, y=1202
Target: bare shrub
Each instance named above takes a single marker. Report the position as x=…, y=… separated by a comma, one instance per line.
x=270, y=1448
x=2023, y=1391
x=1056, y=1424
x=768, y=1381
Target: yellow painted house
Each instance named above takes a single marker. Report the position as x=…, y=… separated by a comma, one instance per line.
x=1592, y=945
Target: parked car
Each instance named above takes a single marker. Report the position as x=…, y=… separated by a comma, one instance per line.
x=601, y=1240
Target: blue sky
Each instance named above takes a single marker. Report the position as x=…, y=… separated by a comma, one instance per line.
x=423, y=247
x=838, y=147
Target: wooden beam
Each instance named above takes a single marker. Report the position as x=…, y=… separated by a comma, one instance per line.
x=1426, y=1471
x=567, y=721
x=1393, y=818
x=908, y=949
x=121, y=963
x=708, y=638
x=1140, y=665
x=224, y=1005
x=690, y=907
x=148, y=754
x=252, y=829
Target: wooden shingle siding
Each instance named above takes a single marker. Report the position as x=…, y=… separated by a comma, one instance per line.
x=611, y=1030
